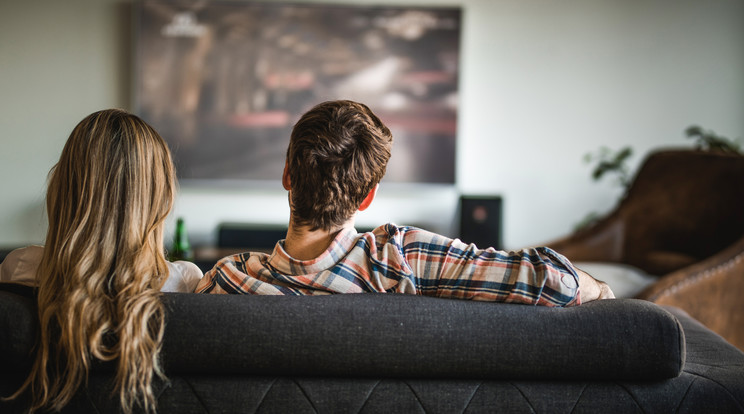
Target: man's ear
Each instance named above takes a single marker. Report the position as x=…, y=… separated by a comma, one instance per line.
x=368, y=200
x=286, y=182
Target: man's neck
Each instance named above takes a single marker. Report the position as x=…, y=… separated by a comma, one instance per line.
x=305, y=244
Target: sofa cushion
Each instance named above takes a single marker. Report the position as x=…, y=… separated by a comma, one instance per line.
x=398, y=336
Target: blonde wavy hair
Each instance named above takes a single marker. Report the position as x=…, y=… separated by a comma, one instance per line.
x=103, y=263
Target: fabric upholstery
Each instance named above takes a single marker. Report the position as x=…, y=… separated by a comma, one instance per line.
x=391, y=335
x=412, y=336
x=712, y=377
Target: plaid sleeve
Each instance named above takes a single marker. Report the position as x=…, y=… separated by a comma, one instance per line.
x=450, y=268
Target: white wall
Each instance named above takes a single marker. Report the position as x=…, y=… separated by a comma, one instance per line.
x=542, y=83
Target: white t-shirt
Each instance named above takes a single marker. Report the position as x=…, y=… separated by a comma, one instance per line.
x=20, y=267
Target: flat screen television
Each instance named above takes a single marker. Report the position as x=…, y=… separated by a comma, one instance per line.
x=224, y=81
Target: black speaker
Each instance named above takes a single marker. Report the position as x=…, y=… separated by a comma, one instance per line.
x=480, y=221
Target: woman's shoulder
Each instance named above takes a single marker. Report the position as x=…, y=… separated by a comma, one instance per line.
x=183, y=276
x=20, y=265
x=32, y=251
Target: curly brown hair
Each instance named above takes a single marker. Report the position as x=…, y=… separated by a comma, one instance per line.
x=337, y=154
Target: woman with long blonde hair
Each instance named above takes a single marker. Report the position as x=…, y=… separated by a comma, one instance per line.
x=102, y=268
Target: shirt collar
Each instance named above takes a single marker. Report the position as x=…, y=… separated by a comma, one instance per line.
x=339, y=247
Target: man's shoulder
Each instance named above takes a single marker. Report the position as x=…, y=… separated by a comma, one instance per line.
x=408, y=235
x=392, y=229
x=239, y=260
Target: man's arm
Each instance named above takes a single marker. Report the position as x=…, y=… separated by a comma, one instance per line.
x=539, y=276
x=450, y=268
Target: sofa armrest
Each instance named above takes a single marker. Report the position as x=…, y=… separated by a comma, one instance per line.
x=710, y=291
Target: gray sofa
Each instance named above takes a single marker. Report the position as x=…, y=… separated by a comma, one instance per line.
x=389, y=353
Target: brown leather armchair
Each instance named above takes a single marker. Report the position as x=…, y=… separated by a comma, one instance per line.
x=681, y=219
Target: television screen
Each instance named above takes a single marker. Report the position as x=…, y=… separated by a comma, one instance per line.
x=224, y=82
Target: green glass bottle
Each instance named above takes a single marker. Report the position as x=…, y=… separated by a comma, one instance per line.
x=181, y=249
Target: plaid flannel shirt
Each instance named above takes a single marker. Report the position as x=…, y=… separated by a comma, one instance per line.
x=403, y=260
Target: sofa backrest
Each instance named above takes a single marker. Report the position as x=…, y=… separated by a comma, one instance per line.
x=394, y=336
